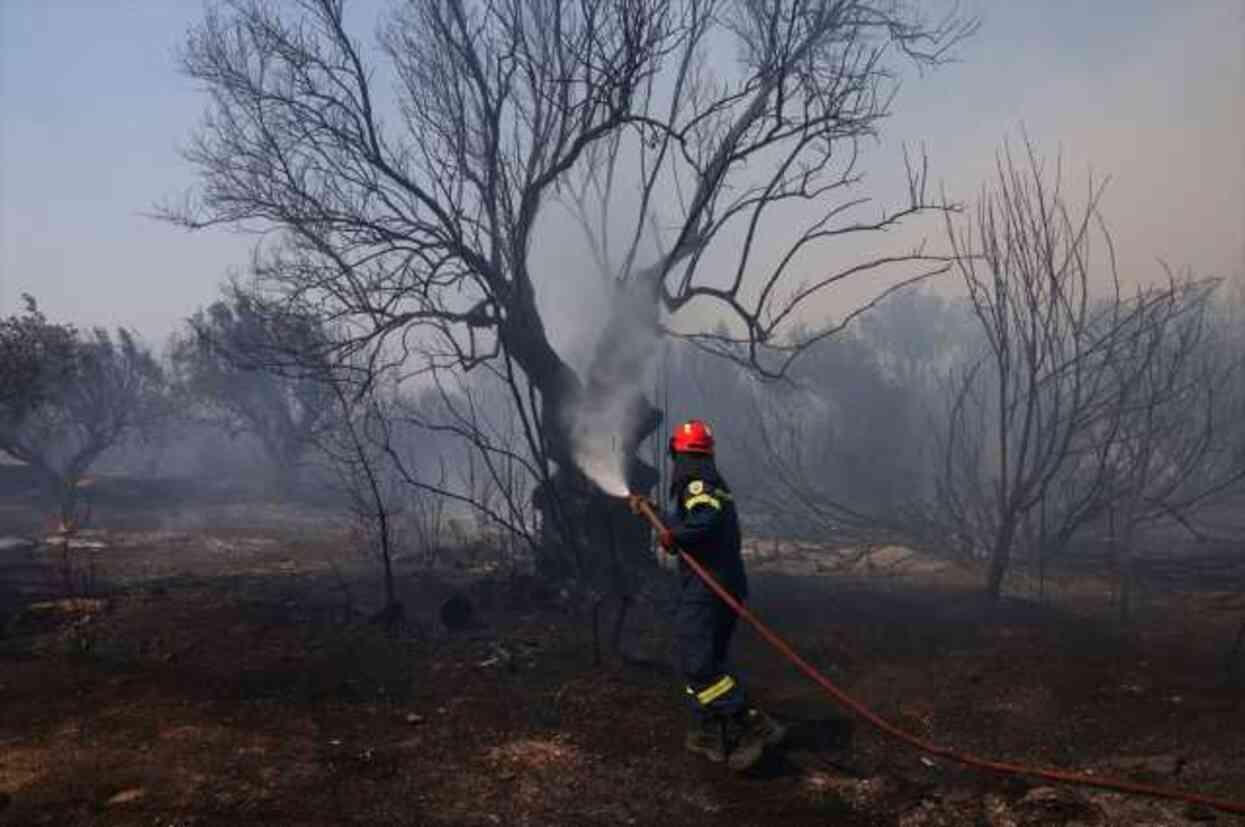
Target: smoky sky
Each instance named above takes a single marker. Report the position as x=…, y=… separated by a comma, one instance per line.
x=93, y=110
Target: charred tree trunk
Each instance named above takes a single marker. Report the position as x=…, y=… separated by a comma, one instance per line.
x=1000, y=558
x=575, y=514
x=576, y=520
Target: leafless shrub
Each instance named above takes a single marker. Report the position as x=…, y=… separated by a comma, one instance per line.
x=1082, y=407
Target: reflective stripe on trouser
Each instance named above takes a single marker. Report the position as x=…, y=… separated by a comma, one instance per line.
x=722, y=697
x=713, y=691
x=703, y=631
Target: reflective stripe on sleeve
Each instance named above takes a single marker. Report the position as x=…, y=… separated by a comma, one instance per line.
x=703, y=499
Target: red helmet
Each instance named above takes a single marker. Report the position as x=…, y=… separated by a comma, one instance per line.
x=692, y=437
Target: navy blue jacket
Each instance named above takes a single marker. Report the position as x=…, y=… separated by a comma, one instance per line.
x=705, y=524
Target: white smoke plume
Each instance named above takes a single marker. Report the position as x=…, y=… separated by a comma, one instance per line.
x=604, y=419
x=599, y=453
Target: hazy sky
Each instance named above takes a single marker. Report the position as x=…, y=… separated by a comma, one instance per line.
x=92, y=111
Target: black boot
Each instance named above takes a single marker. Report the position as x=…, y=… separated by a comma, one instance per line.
x=707, y=736
x=745, y=736
x=774, y=732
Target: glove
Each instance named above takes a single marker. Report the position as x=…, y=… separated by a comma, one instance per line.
x=665, y=539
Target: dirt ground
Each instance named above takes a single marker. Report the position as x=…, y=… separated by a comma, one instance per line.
x=220, y=670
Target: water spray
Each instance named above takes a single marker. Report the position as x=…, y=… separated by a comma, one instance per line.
x=604, y=464
x=606, y=414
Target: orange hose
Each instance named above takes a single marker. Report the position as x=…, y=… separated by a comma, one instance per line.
x=861, y=711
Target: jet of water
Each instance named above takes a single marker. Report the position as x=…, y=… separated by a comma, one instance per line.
x=600, y=458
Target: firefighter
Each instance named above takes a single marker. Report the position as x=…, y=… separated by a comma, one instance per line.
x=704, y=523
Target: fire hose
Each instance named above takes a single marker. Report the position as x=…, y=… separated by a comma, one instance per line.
x=643, y=507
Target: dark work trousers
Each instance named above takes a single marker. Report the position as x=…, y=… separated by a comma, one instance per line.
x=703, y=628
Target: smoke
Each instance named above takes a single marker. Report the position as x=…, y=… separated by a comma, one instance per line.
x=606, y=418
x=599, y=455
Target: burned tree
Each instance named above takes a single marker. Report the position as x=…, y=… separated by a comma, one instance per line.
x=252, y=369
x=1083, y=406
x=354, y=446
x=36, y=357
x=72, y=397
x=475, y=432
x=407, y=215
x=1017, y=412
x=1166, y=436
